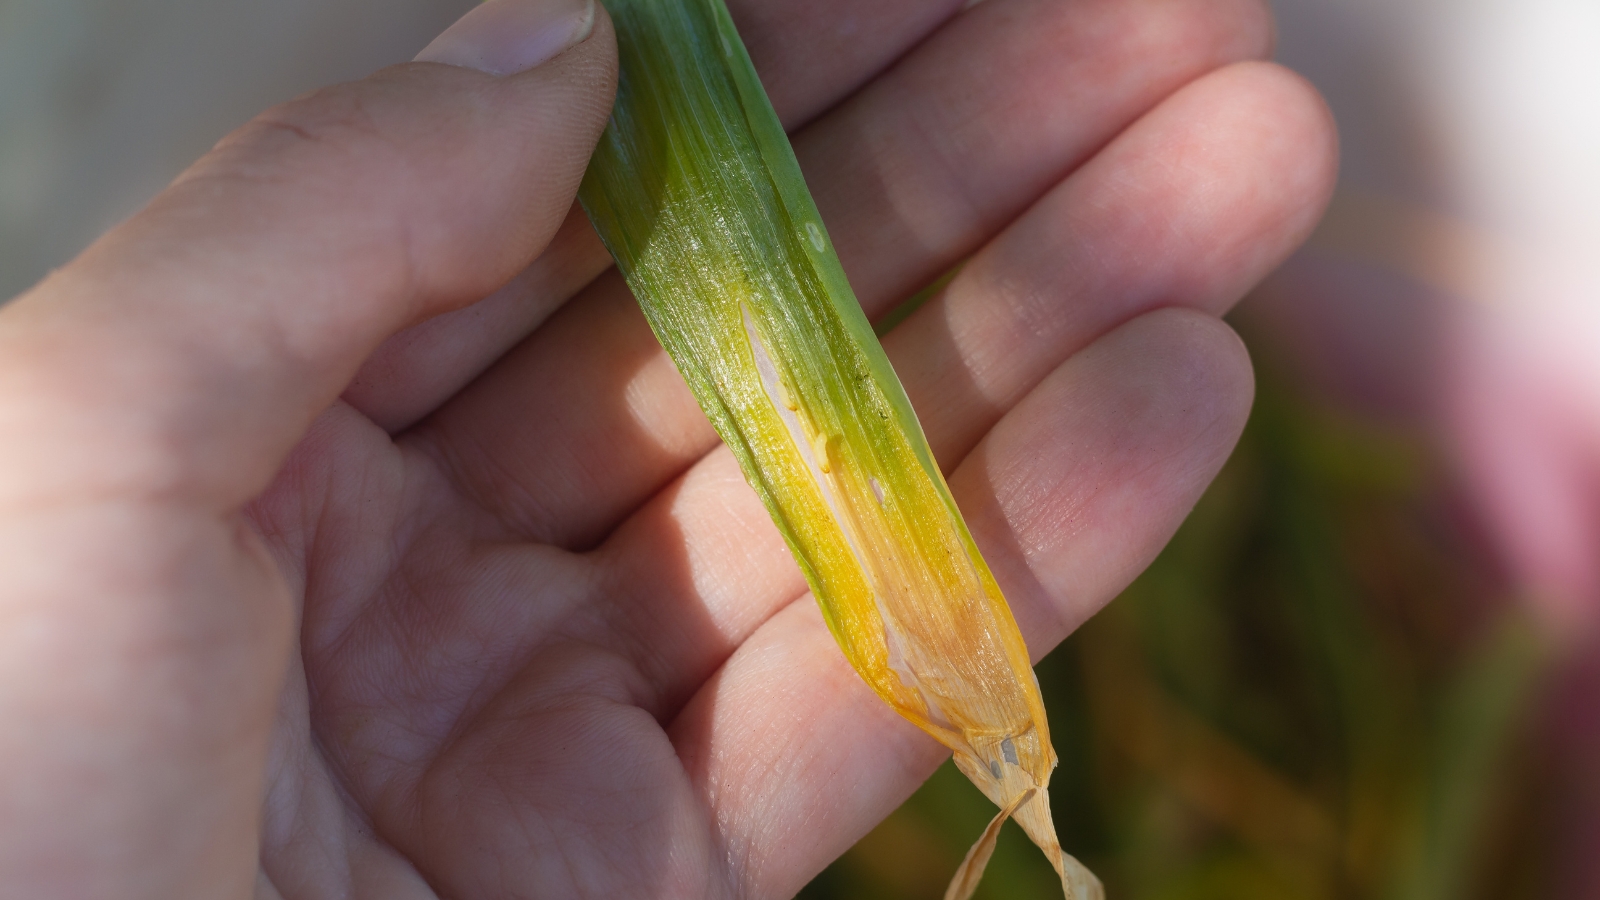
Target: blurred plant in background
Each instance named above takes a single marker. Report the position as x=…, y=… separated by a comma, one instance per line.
x=1317, y=691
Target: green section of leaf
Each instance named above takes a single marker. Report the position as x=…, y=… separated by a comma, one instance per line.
x=695, y=153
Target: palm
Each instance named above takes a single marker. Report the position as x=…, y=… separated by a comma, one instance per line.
x=465, y=692
x=550, y=643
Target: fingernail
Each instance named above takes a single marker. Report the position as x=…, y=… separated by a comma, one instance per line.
x=503, y=37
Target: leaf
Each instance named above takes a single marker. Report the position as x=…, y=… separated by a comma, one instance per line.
x=696, y=192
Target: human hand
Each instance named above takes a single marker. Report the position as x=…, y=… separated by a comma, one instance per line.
x=359, y=539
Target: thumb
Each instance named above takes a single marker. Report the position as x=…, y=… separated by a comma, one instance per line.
x=153, y=385
x=202, y=336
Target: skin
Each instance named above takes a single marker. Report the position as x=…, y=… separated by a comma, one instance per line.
x=360, y=541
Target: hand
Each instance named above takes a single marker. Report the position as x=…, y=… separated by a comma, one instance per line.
x=360, y=541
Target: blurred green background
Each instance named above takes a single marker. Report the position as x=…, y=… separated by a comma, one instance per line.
x=1315, y=692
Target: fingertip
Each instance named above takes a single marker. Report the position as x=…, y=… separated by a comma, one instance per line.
x=1250, y=155
x=503, y=37
x=1294, y=132
x=1316, y=118
x=1174, y=388
x=1092, y=473
x=1212, y=369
